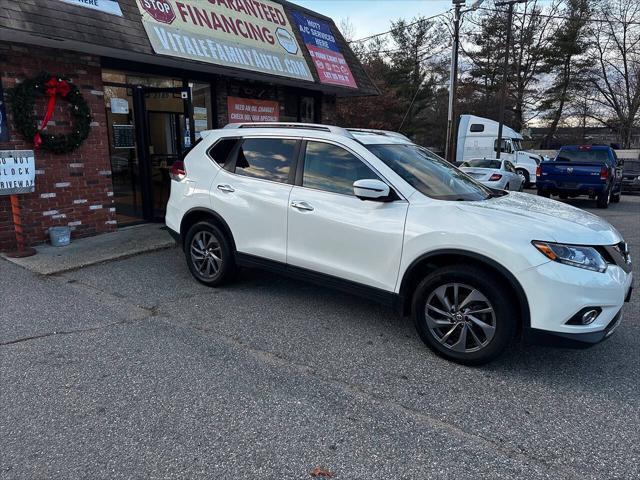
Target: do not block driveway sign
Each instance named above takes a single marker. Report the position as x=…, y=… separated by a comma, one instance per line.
x=17, y=172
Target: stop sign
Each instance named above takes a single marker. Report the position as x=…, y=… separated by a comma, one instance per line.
x=160, y=10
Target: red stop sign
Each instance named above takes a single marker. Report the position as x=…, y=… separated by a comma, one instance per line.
x=159, y=9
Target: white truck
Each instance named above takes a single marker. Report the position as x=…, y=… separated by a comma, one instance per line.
x=478, y=138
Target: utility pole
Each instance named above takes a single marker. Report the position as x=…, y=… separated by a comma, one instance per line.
x=450, y=149
x=505, y=74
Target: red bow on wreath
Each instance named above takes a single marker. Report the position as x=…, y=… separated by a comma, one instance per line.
x=54, y=87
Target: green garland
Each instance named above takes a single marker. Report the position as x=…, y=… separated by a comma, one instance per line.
x=22, y=101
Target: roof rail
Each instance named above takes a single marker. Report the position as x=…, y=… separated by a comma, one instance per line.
x=386, y=133
x=293, y=125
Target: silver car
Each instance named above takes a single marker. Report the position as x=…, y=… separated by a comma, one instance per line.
x=499, y=174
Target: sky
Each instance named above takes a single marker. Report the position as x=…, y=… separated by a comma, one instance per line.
x=374, y=16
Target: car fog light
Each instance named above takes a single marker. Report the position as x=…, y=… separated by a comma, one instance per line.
x=586, y=316
x=589, y=316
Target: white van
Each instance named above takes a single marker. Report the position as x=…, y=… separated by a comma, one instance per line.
x=478, y=138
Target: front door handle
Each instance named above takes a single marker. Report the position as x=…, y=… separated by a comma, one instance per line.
x=303, y=206
x=226, y=188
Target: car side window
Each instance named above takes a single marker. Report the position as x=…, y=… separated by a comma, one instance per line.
x=222, y=149
x=509, y=166
x=266, y=158
x=333, y=169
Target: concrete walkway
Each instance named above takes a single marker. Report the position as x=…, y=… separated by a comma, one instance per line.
x=123, y=243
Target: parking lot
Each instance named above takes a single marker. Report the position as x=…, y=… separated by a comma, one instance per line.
x=133, y=370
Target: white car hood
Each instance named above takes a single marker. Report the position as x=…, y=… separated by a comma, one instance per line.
x=547, y=219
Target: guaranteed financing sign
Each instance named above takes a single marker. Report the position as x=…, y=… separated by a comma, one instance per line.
x=17, y=172
x=249, y=34
x=330, y=63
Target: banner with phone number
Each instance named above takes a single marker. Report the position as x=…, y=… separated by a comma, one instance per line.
x=330, y=63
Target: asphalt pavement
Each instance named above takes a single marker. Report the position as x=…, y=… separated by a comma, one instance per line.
x=131, y=369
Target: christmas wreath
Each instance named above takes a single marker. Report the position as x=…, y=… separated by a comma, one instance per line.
x=22, y=101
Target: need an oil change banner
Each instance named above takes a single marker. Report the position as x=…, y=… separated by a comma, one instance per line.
x=249, y=34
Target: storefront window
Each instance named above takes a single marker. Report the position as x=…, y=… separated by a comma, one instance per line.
x=307, y=110
x=125, y=168
x=202, y=111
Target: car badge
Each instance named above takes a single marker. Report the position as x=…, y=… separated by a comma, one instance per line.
x=569, y=169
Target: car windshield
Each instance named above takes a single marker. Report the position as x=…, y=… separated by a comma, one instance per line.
x=583, y=156
x=482, y=163
x=429, y=174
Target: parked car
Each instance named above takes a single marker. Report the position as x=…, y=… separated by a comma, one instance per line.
x=380, y=217
x=592, y=170
x=500, y=174
x=478, y=138
x=631, y=176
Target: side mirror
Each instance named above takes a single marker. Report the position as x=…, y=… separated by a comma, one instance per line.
x=371, y=189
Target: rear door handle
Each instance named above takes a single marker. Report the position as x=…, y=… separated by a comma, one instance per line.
x=303, y=206
x=226, y=188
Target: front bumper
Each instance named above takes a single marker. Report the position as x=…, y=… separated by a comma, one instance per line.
x=556, y=292
x=535, y=336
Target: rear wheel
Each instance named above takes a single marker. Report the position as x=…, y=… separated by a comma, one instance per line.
x=603, y=199
x=208, y=254
x=615, y=198
x=465, y=314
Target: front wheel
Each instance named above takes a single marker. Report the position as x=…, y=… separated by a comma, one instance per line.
x=465, y=314
x=209, y=254
x=524, y=176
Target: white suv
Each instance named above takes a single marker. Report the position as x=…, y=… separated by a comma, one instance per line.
x=372, y=213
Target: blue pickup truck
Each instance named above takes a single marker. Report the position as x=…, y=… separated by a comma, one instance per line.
x=592, y=170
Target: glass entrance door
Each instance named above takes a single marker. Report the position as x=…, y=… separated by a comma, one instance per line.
x=166, y=136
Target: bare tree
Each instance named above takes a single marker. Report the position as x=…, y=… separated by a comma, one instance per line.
x=616, y=74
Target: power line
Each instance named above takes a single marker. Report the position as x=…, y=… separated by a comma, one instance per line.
x=359, y=40
x=560, y=17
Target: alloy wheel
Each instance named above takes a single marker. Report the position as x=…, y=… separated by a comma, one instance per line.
x=460, y=317
x=206, y=254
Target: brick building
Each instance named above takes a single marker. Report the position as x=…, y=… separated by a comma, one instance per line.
x=154, y=75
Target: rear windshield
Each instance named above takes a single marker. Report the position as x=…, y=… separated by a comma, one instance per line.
x=482, y=163
x=583, y=156
x=632, y=166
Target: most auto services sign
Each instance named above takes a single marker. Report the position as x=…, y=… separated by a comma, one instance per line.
x=330, y=63
x=106, y=6
x=249, y=34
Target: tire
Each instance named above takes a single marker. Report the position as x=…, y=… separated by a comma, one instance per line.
x=615, y=198
x=442, y=330
x=542, y=193
x=217, y=265
x=525, y=175
x=603, y=199
x=507, y=187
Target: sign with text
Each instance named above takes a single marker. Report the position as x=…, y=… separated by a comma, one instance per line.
x=17, y=172
x=106, y=6
x=249, y=110
x=4, y=124
x=330, y=63
x=248, y=34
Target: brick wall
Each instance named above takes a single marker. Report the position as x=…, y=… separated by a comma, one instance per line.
x=73, y=189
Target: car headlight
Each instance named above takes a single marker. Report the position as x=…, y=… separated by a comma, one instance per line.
x=574, y=255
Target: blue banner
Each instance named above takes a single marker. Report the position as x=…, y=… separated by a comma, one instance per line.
x=4, y=124
x=316, y=32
